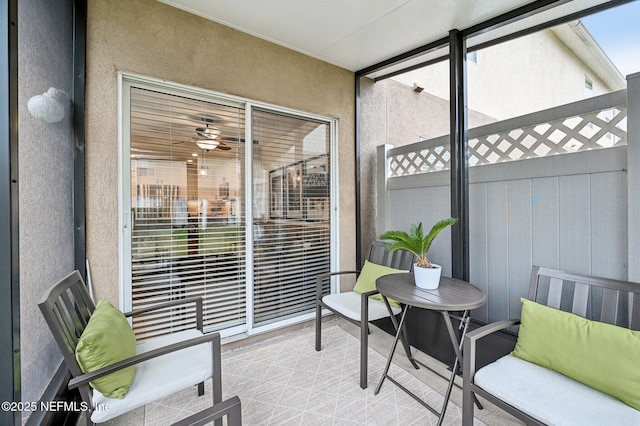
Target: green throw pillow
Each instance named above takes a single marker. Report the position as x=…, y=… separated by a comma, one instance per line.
x=602, y=356
x=367, y=279
x=107, y=339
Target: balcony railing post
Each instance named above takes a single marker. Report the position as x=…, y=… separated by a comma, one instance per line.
x=633, y=175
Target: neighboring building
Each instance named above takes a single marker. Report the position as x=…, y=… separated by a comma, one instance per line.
x=531, y=73
x=528, y=74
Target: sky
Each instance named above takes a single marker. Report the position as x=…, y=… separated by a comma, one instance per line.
x=617, y=31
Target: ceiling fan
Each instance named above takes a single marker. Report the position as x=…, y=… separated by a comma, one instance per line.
x=209, y=138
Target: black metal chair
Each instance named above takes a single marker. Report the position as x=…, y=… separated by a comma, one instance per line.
x=194, y=356
x=358, y=308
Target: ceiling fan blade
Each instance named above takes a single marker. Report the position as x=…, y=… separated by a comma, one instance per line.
x=232, y=139
x=223, y=147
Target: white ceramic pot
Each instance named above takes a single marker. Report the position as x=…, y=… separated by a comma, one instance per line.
x=427, y=278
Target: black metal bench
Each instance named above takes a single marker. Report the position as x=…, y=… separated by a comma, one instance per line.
x=599, y=299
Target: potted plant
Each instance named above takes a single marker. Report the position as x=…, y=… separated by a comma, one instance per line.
x=427, y=274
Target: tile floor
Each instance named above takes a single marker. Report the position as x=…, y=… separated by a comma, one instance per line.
x=286, y=382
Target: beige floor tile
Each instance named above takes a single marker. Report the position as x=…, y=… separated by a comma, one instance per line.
x=283, y=416
x=315, y=419
x=381, y=413
x=322, y=403
x=287, y=382
x=351, y=410
x=295, y=397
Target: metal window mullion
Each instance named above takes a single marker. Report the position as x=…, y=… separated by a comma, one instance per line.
x=10, y=387
x=459, y=165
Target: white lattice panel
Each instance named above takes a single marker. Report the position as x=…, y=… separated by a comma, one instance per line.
x=603, y=128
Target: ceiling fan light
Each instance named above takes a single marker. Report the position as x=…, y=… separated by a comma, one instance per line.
x=208, y=144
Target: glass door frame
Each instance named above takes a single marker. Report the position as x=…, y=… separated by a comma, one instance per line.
x=129, y=80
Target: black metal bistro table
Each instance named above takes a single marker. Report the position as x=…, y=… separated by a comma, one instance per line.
x=450, y=297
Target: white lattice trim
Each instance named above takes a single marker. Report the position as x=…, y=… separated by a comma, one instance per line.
x=593, y=123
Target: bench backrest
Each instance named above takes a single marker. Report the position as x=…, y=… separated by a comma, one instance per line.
x=66, y=308
x=399, y=259
x=599, y=299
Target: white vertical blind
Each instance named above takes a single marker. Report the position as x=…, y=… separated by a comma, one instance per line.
x=188, y=225
x=291, y=213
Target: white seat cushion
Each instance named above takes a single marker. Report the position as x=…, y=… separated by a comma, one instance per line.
x=551, y=397
x=159, y=377
x=348, y=304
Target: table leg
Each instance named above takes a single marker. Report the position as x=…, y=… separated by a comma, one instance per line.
x=393, y=348
x=404, y=337
x=457, y=346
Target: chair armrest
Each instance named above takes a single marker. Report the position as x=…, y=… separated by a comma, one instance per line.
x=469, y=346
x=364, y=305
x=321, y=277
x=213, y=338
x=197, y=300
x=487, y=329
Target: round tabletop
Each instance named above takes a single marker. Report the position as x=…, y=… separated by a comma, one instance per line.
x=451, y=295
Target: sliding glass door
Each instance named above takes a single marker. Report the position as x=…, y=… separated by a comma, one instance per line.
x=187, y=234
x=185, y=216
x=291, y=213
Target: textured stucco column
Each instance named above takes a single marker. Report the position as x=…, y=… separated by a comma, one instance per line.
x=633, y=174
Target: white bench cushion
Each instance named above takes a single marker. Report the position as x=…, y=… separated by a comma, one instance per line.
x=348, y=304
x=551, y=397
x=180, y=370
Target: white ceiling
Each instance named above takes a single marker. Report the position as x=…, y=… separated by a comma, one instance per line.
x=355, y=34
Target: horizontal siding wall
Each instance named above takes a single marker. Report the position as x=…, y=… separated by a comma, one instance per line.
x=427, y=205
x=567, y=212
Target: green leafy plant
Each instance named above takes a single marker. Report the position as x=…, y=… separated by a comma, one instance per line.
x=415, y=241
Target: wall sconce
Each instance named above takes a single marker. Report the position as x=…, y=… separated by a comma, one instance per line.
x=49, y=107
